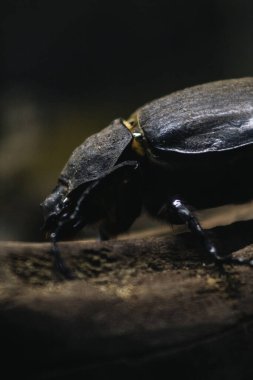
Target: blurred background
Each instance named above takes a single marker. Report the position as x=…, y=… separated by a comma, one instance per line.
x=68, y=68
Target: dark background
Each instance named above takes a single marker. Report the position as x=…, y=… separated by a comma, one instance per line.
x=68, y=68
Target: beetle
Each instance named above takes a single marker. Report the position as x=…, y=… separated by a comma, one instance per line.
x=186, y=151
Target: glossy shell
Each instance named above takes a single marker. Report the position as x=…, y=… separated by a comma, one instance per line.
x=96, y=156
x=212, y=117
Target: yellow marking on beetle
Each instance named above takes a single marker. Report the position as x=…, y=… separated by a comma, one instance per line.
x=136, y=132
x=138, y=148
x=134, y=121
x=127, y=123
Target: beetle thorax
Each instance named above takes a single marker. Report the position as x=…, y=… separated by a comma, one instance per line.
x=97, y=155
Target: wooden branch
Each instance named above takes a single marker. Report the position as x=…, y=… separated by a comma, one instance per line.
x=137, y=307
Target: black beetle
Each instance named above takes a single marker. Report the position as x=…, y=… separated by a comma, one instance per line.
x=192, y=147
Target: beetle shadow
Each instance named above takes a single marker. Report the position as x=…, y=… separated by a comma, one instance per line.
x=233, y=237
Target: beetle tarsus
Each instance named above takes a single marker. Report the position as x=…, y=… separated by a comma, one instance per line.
x=188, y=217
x=234, y=260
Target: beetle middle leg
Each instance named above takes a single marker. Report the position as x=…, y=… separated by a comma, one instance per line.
x=187, y=216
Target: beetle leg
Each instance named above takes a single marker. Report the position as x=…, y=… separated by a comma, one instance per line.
x=103, y=234
x=58, y=260
x=188, y=217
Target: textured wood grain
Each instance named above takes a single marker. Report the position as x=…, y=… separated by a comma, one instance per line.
x=136, y=307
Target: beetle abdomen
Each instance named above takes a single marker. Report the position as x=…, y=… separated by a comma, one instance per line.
x=206, y=118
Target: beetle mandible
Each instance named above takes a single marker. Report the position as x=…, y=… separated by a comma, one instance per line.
x=190, y=148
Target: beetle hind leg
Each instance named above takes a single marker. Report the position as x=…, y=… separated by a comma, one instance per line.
x=187, y=216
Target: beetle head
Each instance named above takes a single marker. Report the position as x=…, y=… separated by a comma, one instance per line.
x=95, y=185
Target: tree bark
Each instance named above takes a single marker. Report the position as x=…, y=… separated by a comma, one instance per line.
x=136, y=307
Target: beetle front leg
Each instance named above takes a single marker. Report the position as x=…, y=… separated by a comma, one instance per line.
x=188, y=217
x=57, y=259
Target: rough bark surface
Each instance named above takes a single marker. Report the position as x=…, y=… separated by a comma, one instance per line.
x=136, y=307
